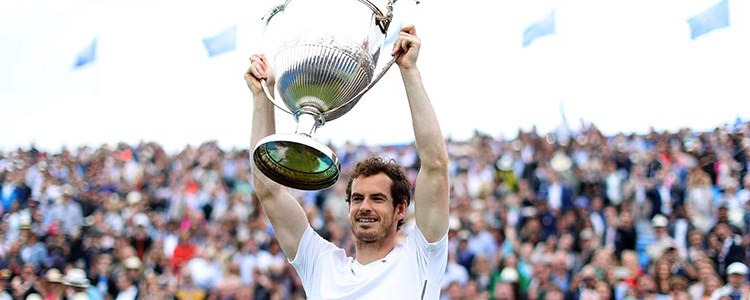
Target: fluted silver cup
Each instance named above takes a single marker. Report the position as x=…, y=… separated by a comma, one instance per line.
x=322, y=73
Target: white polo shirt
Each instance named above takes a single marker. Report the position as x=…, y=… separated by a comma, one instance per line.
x=412, y=270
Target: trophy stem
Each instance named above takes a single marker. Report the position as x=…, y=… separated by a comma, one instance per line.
x=307, y=122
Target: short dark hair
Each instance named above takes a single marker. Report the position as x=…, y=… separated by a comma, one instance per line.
x=400, y=186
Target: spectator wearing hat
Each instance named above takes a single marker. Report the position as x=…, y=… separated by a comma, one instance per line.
x=52, y=285
x=4, y=281
x=509, y=260
x=77, y=283
x=508, y=284
x=132, y=266
x=737, y=286
x=662, y=239
x=141, y=240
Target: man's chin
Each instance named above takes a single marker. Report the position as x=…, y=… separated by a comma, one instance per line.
x=365, y=237
x=368, y=240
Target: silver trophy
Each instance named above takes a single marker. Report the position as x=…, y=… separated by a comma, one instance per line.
x=324, y=54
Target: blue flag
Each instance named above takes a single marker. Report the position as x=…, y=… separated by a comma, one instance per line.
x=545, y=26
x=714, y=17
x=223, y=42
x=86, y=55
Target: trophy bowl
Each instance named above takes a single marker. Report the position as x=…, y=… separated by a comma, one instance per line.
x=325, y=55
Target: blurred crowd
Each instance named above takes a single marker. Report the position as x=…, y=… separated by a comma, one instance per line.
x=563, y=215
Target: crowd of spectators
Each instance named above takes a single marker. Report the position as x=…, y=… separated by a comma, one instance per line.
x=662, y=215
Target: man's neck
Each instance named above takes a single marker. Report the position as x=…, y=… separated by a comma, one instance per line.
x=367, y=252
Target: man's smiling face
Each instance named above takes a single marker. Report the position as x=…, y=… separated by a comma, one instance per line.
x=371, y=212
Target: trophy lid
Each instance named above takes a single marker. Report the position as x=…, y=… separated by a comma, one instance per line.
x=297, y=161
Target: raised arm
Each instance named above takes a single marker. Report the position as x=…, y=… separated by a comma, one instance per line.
x=432, y=187
x=287, y=217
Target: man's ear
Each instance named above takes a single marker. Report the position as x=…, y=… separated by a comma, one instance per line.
x=401, y=210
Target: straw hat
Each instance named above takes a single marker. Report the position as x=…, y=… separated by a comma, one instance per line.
x=53, y=275
x=76, y=278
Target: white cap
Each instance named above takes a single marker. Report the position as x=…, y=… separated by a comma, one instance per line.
x=132, y=262
x=586, y=234
x=141, y=219
x=737, y=268
x=133, y=197
x=509, y=275
x=659, y=221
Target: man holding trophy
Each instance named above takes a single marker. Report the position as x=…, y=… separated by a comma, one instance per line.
x=378, y=193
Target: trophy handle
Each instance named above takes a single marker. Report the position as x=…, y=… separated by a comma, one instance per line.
x=383, y=20
x=367, y=88
x=264, y=84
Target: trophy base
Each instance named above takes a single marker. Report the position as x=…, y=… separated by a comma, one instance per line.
x=297, y=161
